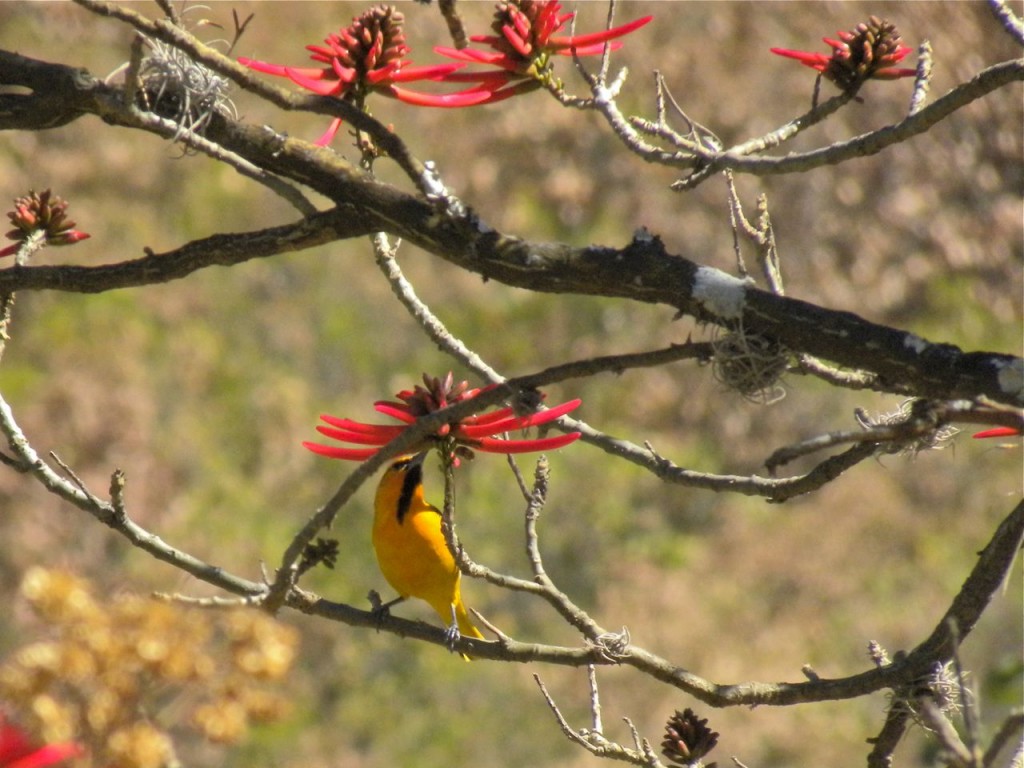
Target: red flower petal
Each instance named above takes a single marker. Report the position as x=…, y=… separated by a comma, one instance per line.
x=334, y=452
x=804, y=57
x=318, y=85
x=70, y=237
x=345, y=74
x=491, y=40
x=492, y=79
x=893, y=74
x=328, y=136
x=395, y=410
x=589, y=50
x=524, y=86
x=16, y=750
x=998, y=432
x=465, y=98
x=521, y=46
x=554, y=412
x=476, y=56
x=358, y=438
x=434, y=72
x=488, y=418
x=493, y=445
x=382, y=75
x=362, y=427
x=49, y=755
x=263, y=66
x=594, y=38
x=483, y=429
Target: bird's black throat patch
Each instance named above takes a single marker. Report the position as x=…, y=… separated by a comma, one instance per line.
x=413, y=477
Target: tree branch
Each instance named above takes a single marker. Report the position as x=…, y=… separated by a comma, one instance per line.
x=640, y=271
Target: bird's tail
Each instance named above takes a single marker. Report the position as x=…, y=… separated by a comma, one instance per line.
x=466, y=626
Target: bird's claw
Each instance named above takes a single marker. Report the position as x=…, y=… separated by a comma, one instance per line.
x=452, y=637
x=380, y=610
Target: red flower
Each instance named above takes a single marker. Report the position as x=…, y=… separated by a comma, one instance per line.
x=367, y=57
x=16, y=750
x=471, y=433
x=523, y=44
x=869, y=51
x=42, y=215
x=998, y=432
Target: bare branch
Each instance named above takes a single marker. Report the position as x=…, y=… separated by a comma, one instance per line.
x=956, y=753
x=115, y=517
x=1012, y=23
x=1008, y=730
x=985, y=82
x=976, y=592
x=924, y=78
x=921, y=424
x=885, y=743
x=437, y=332
x=593, y=740
x=454, y=21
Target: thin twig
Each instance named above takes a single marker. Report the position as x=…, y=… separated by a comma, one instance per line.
x=972, y=728
x=520, y=480
x=923, y=420
x=1008, y=730
x=956, y=753
x=594, y=741
x=217, y=602
x=923, y=80
x=810, y=365
x=1012, y=23
x=896, y=721
x=193, y=140
x=75, y=479
x=456, y=29
x=541, y=585
x=533, y=509
x=389, y=141
x=431, y=324
x=114, y=518
x=595, y=700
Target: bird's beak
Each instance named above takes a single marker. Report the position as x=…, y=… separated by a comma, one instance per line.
x=418, y=459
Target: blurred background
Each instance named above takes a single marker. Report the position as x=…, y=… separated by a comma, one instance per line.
x=201, y=390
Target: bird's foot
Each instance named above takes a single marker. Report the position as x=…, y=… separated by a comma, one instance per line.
x=381, y=610
x=452, y=637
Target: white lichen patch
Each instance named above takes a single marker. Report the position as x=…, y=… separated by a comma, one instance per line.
x=643, y=236
x=719, y=293
x=436, y=191
x=915, y=343
x=1011, y=377
x=431, y=181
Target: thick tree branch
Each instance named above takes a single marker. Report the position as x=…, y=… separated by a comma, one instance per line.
x=640, y=271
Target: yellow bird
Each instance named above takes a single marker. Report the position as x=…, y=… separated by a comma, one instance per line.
x=411, y=550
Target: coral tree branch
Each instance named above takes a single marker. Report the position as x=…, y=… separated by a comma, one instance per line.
x=642, y=270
